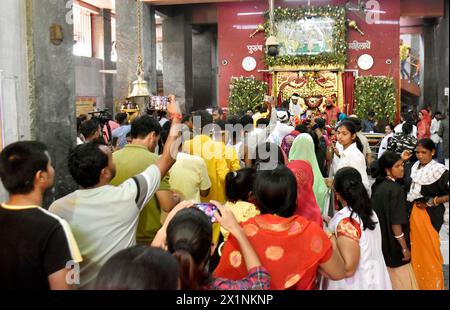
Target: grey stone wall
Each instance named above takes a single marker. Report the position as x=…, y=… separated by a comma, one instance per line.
x=14, y=77
x=90, y=82
x=13, y=64
x=52, y=78
x=127, y=46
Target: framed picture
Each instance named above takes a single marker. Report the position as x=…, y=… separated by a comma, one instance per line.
x=306, y=36
x=309, y=38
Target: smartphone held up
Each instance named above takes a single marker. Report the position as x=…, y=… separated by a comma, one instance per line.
x=209, y=209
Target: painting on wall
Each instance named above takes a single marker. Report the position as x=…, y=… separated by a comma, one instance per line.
x=307, y=36
x=84, y=105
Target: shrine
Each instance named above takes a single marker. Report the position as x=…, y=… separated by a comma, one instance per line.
x=323, y=54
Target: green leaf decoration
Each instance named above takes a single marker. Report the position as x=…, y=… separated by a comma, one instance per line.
x=377, y=94
x=245, y=94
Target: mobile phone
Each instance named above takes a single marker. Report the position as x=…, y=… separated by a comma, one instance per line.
x=159, y=103
x=208, y=209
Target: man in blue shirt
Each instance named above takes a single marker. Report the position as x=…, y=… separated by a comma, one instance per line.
x=121, y=132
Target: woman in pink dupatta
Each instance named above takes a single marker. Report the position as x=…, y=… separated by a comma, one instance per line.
x=306, y=201
x=288, y=140
x=423, y=126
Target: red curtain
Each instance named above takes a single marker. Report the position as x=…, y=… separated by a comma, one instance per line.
x=267, y=76
x=348, y=83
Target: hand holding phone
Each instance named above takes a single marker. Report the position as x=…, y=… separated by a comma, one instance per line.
x=209, y=209
x=159, y=103
x=173, y=106
x=227, y=220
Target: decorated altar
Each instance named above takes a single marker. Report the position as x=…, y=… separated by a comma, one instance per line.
x=311, y=56
x=317, y=53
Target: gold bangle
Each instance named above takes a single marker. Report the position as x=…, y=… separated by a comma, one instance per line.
x=435, y=201
x=330, y=235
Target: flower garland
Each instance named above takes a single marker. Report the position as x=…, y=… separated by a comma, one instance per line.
x=337, y=58
x=245, y=94
x=377, y=94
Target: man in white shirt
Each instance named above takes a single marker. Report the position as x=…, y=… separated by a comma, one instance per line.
x=282, y=128
x=434, y=130
x=384, y=143
x=295, y=109
x=103, y=217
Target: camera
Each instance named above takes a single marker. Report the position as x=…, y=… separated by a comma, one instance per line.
x=102, y=116
x=272, y=46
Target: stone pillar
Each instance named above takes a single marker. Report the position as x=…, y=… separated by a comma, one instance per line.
x=108, y=64
x=431, y=64
x=443, y=55
x=126, y=33
x=202, y=68
x=52, y=87
x=177, y=56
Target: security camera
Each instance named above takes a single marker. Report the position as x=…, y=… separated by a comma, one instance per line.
x=272, y=46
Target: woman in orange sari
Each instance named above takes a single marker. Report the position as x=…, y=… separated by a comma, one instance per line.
x=423, y=126
x=428, y=192
x=306, y=201
x=292, y=248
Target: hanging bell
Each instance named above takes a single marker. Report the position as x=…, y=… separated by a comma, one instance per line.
x=140, y=88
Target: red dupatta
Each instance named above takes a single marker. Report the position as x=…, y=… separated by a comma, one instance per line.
x=423, y=126
x=306, y=201
x=291, y=249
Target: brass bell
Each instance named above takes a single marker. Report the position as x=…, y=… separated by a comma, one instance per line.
x=140, y=88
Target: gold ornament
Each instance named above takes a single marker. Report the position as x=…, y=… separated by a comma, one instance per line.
x=258, y=29
x=352, y=24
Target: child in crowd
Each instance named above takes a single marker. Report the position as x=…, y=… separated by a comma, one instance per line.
x=239, y=191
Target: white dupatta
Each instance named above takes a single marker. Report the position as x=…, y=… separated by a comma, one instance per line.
x=425, y=175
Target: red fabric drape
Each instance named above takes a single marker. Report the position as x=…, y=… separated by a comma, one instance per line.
x=267, y=76
x=348, y=83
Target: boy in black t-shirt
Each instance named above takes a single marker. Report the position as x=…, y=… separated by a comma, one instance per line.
x=38, y=250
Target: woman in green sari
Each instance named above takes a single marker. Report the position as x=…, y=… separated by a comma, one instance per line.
x=303, y=149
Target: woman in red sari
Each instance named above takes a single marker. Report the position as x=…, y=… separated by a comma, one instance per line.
x=292, y=248
x=306, y=201
x=423, y=126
